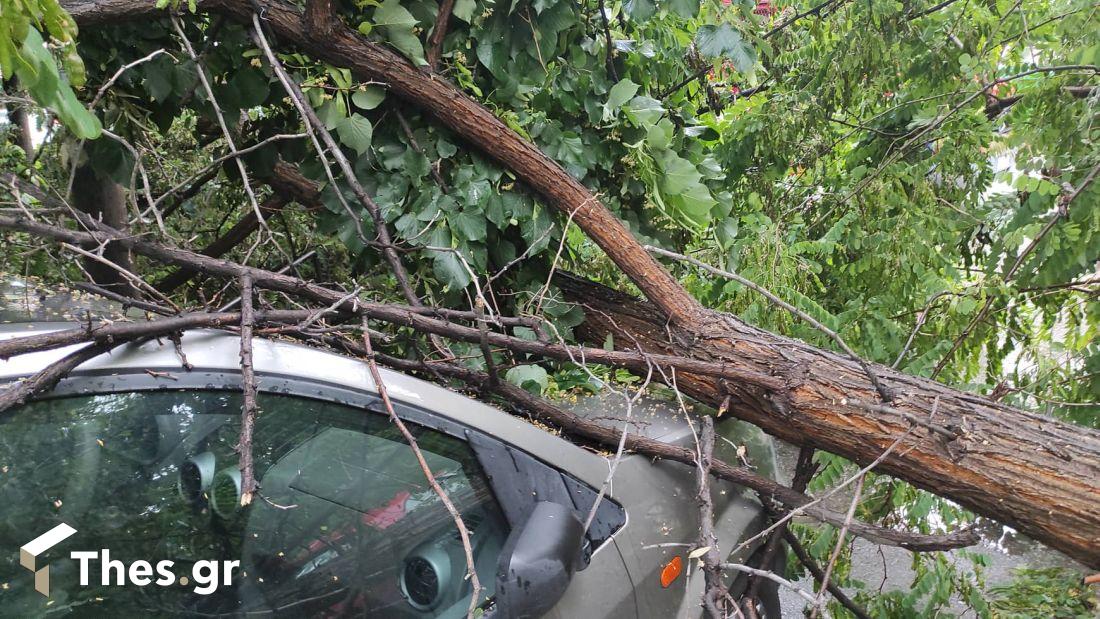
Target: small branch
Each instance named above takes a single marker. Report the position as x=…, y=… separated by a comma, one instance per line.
x=316, y=128
x=463, y=532
x=841, y=536
x=1061, y=212
x=806, y=560
x=967, y=533
x=44, y=380
x=221, y=120
x=435, y=42
x=396, y=314
x=772, y=576
x=249, y=407
x=770, y=491
x=486, y=350
x=125, y=300
x=803, y=472
x=103, y=332
x=714, y=590
x=883, y=392
x=608, y=43
x=816, y=10
x=407, y=130
x=126, y=67
x=931, y=9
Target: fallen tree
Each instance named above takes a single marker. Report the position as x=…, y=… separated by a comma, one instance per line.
x=1034, y=473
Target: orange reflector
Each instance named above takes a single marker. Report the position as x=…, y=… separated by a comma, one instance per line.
x=671, y=571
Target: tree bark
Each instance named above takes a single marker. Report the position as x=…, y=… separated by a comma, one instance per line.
x=1034, y=473
x=104, y=200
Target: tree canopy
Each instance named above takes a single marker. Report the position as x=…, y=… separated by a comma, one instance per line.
x=916, y=177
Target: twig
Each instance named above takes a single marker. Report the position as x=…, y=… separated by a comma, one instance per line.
x=620, y=447
x=435, y=41
x=931, y=9
x=841, y=536
x=1061, y=211
x=463, y=532
x=131, y=277
x=125, y=300
x=103, y=331
x=124, y=68
x=221, y=122
x=714, y=590
x=883, y=392
x=45, y=379
x=772, y=576
x=316, y=128
x=921, y=318
x=198, y=177
x=407, y=130
x=806, y=560
x=249, y=407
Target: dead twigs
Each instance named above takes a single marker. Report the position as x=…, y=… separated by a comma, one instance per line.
x=463, y=532
x=714, y=592
x=249, y=407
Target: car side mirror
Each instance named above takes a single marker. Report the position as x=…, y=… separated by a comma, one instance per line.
x=538, y=561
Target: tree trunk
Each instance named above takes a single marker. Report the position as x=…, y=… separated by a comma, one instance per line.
x=104, y=200
x=1035, y=473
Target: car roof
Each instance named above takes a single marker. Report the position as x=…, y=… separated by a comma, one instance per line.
x=212, y=350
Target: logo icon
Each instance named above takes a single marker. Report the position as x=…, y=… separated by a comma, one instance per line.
x=29, y=551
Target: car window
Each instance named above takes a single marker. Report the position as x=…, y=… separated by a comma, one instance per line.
x=345, y=524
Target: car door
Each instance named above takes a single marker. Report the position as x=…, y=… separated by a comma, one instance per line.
x=344, y=523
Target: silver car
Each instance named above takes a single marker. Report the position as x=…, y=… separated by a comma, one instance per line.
x=138, y=456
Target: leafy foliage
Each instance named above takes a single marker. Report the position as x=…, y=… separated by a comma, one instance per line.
x=23, y=54
x=886, y=173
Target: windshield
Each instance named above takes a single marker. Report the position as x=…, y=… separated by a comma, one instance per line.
x=345, y=523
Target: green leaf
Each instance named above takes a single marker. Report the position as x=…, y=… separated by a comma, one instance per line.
x=620, y=94
x=397, y=24
x=530, y=377
x=158, y=82
x=368, y=98
x=355, y=132
x=725, y=42
x=684, y=8
x=644, y=112
x=470, y=226
x=640, y=10
x=659, y=135
x=687, y=199
x=38, y=73
x=445, y=148
x=250, y=87
x=464, y=10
